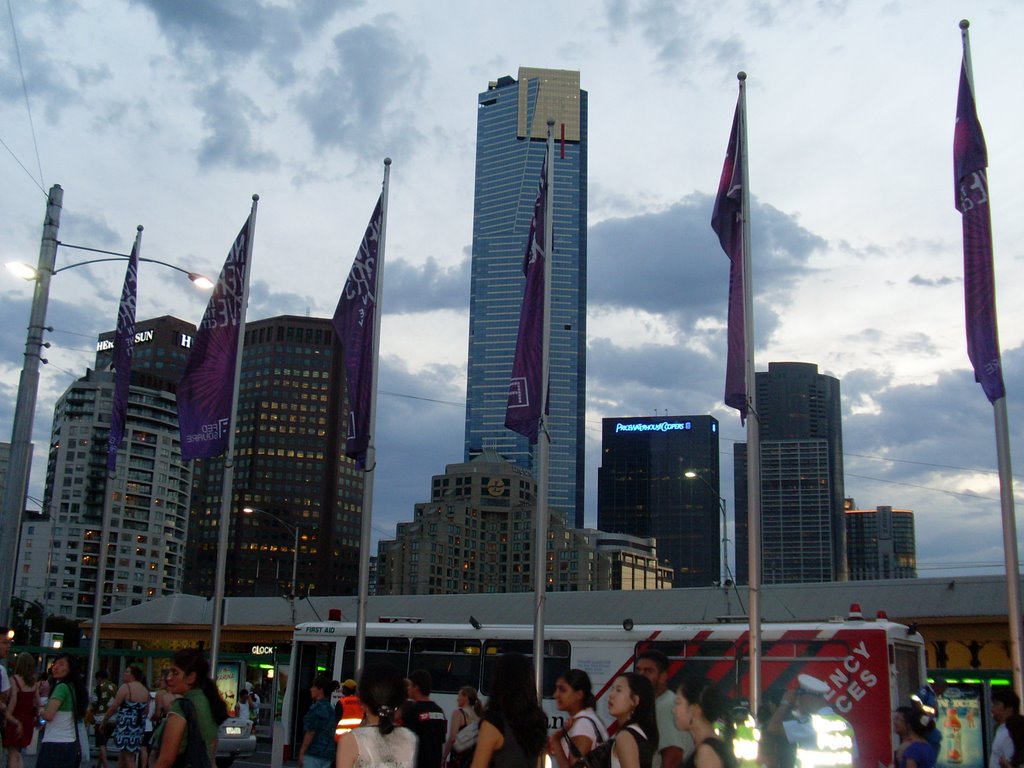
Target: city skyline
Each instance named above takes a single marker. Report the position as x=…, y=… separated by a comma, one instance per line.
x=168, y=118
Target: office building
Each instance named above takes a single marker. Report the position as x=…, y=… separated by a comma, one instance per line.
x=803, y=531
x=290, y=465
x=59, y=558
x=880, y=543
x=643, y=490
x=476, y=534
x=511, y=129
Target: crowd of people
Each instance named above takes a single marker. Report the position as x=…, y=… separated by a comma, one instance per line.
x=174, y=725
x=387, y=721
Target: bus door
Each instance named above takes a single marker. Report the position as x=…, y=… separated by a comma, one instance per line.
x=309, y=659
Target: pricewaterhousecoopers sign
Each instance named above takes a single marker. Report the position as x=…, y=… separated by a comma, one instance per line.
x=662, y=426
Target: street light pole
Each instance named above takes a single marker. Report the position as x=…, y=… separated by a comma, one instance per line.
x=295, y=549
x=690, y=474
x=16, y=489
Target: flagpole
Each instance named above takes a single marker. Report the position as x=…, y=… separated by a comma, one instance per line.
x=366, y=521
x=540, y=544
x=1003, y=460
x=226, y=499
x=108, y=501
x=753, y=425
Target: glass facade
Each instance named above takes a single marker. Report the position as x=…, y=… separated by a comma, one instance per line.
x=880, y=543
x=511, y=124
x=643, y=490
x=803, y=533
x=290, y=462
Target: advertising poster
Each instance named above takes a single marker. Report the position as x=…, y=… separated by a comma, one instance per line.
x=229, y=675
x=960, y=721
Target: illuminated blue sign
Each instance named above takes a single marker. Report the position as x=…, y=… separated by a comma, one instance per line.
x=664, y=426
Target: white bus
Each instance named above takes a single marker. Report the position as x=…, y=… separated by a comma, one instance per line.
x=871, y=666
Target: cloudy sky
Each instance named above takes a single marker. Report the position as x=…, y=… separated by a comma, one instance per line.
x=171, y=114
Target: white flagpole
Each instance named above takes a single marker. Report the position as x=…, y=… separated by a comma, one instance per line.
x=108, y=514
x=540, y=544
x=1003, y=460
x=365, y=525
x=226, y=498
x=753, y=426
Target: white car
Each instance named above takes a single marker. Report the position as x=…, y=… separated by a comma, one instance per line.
x=236, y=736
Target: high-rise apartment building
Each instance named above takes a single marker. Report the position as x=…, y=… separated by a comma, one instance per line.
x=880, y=543
x=643, y=490
x=511, y=131
x=150, y=490
x=476, y=534
x=290, y=464
x=803, y=531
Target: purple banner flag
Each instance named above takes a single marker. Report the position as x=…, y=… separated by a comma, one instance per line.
x=207, y=386
x=353, y=323
x=970, y=160
x=523, y=411
x=124, y=346
x=727, y=221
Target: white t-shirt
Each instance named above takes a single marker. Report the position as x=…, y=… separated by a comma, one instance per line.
x=1002, y=746
x=586, y=723
x=669, y=734
x=5, y=682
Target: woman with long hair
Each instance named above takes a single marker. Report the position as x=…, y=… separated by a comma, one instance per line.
x=514, y=728
x=199, y=704
x=583, y=730
x=378, y=739
x=468, y=711
x=698, y=708
x=21, y=708
x=131, y=705
x=61, y=746
x=631, y=703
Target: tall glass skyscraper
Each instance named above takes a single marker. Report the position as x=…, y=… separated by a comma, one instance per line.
x=803, y=530
x=511, y=132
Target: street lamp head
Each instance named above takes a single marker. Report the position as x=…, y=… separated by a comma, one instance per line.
x=24, y=271
x=690, y=474
x=200, y=281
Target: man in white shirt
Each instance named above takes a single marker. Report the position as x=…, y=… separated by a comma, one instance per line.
x=673, y=744
x=1004, y=703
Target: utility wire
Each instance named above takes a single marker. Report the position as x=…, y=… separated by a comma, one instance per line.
x=26, y=170
x=24, y=89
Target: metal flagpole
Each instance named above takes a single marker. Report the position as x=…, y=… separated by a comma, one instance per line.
x=226, y=499
x=1003, y=460
x=20, y=463
x=365, y=524
x=753, y=426
x=108, y=513
x=540, y=544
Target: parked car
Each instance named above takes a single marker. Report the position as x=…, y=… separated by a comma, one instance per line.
x=236, y=736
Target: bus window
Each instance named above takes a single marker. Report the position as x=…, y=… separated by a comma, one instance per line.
x=451, y=663
x=393, y=650
x=556, y=661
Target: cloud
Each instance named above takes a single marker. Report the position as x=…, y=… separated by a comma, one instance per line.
x=361, y=101
x=671, y=263
x=429, y=287
x=227, y=114
x=928, y=282
x=226, y=31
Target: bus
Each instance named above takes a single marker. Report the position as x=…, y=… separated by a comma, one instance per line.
x=871, y=666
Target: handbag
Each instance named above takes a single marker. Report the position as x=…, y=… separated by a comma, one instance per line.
x=467, y=737
x=601, y=755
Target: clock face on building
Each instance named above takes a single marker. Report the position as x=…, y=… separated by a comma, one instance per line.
x=496, y=487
